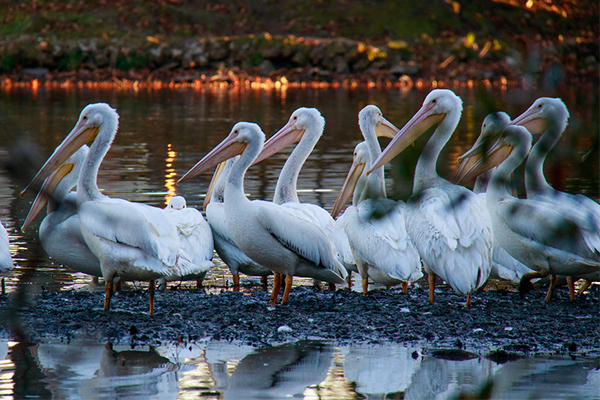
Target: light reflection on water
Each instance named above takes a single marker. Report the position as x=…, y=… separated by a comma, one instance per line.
x=163, y=133
x=307, y=369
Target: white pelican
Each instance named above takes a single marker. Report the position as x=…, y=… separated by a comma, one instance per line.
x=375, y=225
x=195, y=236
x=549, y=116
x=133, y=241
x=267, y=232
x=537, y=233
x=305, y=127
x=236, y=259
x=450, y=228
x=59, y=232
x=504, y=265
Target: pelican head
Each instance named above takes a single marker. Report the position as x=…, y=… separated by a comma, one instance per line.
x=301, y=121
x=542, y=112
x=241, y=135
x=359, y=161
x=437, y=105
x=511, y=137
x=177, y=203
x=371, y=116
x=491, y=128
x=58, y=184
x=92, y=117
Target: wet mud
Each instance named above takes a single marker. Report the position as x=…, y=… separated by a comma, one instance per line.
x=498, y=321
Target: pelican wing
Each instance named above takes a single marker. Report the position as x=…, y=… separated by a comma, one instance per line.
x=195, y=234
x=302, y=237
x=132, y=224
x=452, y=231
x=546, y=224
x=342, y=245
x=312, y=213
x=582, y=211
x=378, y=235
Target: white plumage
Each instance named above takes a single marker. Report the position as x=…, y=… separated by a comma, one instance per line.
x=267, y=232
x=375, y=226
x=536, y=233
x=450, y=228
x=236, y=259
x=133, y=241
x=60, y=232
x=195, y=235
x=549, y=117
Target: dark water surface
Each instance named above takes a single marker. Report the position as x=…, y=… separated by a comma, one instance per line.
x=162, y=134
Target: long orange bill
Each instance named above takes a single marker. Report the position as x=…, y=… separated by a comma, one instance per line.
x=45, y=193
x=225, y=150
x=347, y=188
x=414, y=128
x=79, y=136
x=280, y=140
x=213, y=182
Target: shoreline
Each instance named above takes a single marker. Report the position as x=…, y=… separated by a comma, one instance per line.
x=498, y=321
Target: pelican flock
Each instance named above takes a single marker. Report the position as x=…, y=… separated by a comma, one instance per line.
x=444, y=229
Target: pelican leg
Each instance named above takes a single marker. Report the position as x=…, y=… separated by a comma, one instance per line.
x=95, y=280
x=151, y=294
x=276, y=289
x=388, y=287
x=117, y=284
x=365, y=286
x=332, y=287
x=349, y=280
x=571, y=285
x=289, y=280
x=108, y=291
x=199, y=283
x=431, y=280
x=3, y=287
x=586, y=285
x=553, y=282
x=525, y=285
x=468, y=303
x=236, y=281
x=404, y=287
x=264, y=280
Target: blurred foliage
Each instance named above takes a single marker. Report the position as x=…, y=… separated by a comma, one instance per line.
x=367, y=20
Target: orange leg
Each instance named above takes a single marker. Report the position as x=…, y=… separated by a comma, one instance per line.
x=151, y=294
x=199, y=284
x=349, y=280
x=571, y=285
x=553, y=282
x=117, y=285
x=468, y=303
x=431, y=280
x=264, y=280
x=365, y=286
x=404, y=287
x=276, y=289
x=236, y=279
x=288, y=286
x=108, y=286
x=586, y=285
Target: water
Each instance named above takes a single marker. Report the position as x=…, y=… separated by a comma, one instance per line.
x=162, y=134
x=311, y=369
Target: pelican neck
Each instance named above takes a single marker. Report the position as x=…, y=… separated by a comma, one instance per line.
x=286, y=189
x=87, y=186
x=426, y=175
